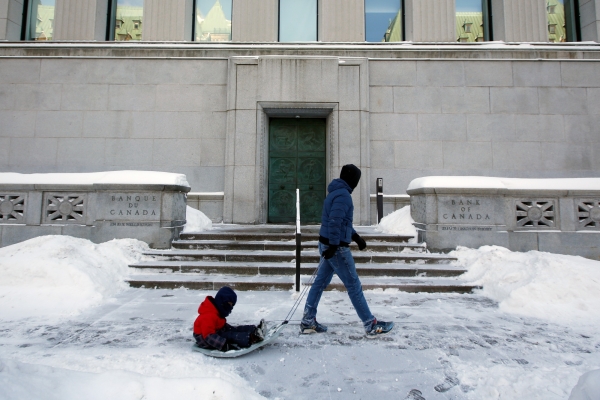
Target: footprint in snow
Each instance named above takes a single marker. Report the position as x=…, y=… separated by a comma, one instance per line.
x=448, y=384
x=414, y=395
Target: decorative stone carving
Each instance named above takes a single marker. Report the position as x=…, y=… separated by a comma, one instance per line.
x=12, y=208
x=536, y=213
x=65, y=208
x=588, y=213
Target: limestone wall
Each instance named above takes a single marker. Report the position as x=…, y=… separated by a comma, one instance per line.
x=398, y=113
x=545, y=218
x=513, y=118
x=154, y=214
x=86, y=115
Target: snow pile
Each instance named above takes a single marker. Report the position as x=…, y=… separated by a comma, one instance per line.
x=28, y=381
x=558, y=288
x=108, y=177
x=62, y=275
x=497, y=382
x=485, y=182
x=196, y=221
x=399, y=223
x=588, y=387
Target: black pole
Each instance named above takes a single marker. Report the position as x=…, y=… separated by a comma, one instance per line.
x=298, y=261
x=379, y=199
x=298, y=241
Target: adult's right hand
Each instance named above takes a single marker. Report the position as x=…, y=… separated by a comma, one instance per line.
x=327, y=254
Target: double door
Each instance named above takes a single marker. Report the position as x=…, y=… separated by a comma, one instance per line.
x=296, y=160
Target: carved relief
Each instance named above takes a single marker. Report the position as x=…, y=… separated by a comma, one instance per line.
x=64, y=208
x=12, y=209
x=588, y=213
x=536, y=213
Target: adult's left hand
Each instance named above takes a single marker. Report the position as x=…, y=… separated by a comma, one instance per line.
x=359, y=241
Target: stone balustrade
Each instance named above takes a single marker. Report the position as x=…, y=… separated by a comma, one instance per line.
x=89, y=206
x=554, y=215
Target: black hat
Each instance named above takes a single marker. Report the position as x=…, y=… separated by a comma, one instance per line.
x=225, y=300
x=350, y=174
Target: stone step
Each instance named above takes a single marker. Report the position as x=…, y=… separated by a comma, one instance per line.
x=289, y=269
x=248, y=235
x=215, y=282
x=308, y=256
x=284, y=245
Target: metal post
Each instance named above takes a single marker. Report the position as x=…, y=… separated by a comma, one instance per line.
x=298, y=241
x=379, y=199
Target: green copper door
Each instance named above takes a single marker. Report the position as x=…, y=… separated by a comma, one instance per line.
x=296, y=160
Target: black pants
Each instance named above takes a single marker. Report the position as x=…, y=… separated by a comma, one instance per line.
x=239, y=335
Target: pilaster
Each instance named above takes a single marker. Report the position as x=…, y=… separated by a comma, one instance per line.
x=590, y=20
x=520, y=20
x=11, y=18
x=80, y=20
x=255, y=21
x=430, y=20
x=168, y=20
x=341, y=21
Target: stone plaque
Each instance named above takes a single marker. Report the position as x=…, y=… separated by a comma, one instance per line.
x=466, y=210
x=129, y=207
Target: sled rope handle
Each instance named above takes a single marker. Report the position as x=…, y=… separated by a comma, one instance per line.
x=302, y=294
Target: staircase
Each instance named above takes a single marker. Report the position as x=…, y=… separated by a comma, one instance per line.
x=263, y=258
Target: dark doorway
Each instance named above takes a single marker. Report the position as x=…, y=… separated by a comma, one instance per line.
x=296, y=160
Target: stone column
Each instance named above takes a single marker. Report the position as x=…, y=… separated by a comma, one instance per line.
x=80, y=20
x=590, y=20
x=520, y=20
x=430, y=20
x=11, y=19
x=341, y=21
x=167, y=20
x=255, y=21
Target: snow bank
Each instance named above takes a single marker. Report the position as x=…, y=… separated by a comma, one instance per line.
x=108, y=177
x=62, y=275
x=559, y=288
x=28, y=381
x=500, y=382
x=588, y=387
x=196, y=221
x=399, y=222
x=484, y=182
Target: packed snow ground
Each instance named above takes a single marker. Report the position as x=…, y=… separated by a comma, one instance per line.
x=70, y=328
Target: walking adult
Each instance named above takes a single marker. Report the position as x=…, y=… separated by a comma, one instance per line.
x=335, y=236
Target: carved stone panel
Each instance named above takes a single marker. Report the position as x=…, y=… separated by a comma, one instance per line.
x=64, y=208
x=588, y=214
x=12, y=208
x=536, y=214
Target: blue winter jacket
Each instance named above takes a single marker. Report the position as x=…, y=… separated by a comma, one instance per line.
x=336, y=221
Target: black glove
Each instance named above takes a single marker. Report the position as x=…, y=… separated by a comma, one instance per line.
x=359, y=241
x=327, y=254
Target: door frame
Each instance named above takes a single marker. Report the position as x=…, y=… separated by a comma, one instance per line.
x=268, y=110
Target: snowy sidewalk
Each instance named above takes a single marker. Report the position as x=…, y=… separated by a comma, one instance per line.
x=446, y=346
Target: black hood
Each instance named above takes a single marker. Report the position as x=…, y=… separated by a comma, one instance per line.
x=351, y=175
x=224, y=296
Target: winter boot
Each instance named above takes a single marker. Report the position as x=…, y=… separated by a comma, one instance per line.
x=314, y=327
x=261, y=329
x=379, y=328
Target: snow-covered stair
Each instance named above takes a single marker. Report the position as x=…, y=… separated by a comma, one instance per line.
x=263, y=258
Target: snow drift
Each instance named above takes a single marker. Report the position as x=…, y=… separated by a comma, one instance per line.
x=28, y=381
x=196, y=221
x=399, y=223
x=588, y=387
x=62, y=275
x=558, y=288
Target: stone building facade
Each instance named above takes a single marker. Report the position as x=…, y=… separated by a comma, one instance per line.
x=516, y=107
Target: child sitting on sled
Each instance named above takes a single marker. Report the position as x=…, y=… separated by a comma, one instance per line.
x=212, y=331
